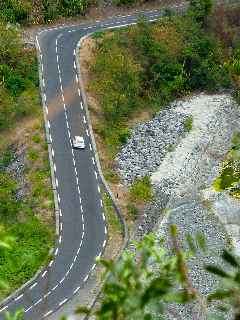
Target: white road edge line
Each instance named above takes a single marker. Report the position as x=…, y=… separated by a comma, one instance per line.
x=54, y=288
x=4, y=308
x=76, y=290
x=85, y=279
x=47, y=294
x=62, y=302
x=28, y=309
x=48, y=313
x=36, y=303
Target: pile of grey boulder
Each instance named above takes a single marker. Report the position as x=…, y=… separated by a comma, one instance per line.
x=150, y=142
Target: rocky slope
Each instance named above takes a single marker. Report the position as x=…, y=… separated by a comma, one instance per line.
x=182, y=179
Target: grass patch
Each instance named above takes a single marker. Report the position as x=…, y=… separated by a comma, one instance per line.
x=112, y=219
x=111, y=176
x=36, y=138
x=141, y=190
x=29, y=250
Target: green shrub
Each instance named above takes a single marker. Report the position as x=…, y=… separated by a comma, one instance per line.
x=72, y=7
x=230, y=172
x=14, y=83
x=188, y=123
x=14, y=11
x=6, y=158
x=8, y=205
x=171, y=147
x=32, y=154
x=50, y=11
x=200, y=9
x=98, y=35
x=124, y=2
x=141, y=190
x=36, y=138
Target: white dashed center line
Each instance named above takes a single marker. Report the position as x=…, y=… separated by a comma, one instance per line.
x=33, y=286
x=19, y=297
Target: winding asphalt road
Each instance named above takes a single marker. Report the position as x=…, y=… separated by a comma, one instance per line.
x=82, y=225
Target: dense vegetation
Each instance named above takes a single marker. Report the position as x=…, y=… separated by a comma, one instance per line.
x=229, y=177
x=25, y=11
x=148, y=65
x=18, y=79
x=19, y=100
x=46, y=11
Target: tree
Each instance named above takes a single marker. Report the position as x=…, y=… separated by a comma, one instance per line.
x=143, y=284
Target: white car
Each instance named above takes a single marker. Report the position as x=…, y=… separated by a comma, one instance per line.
x=78, y=142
